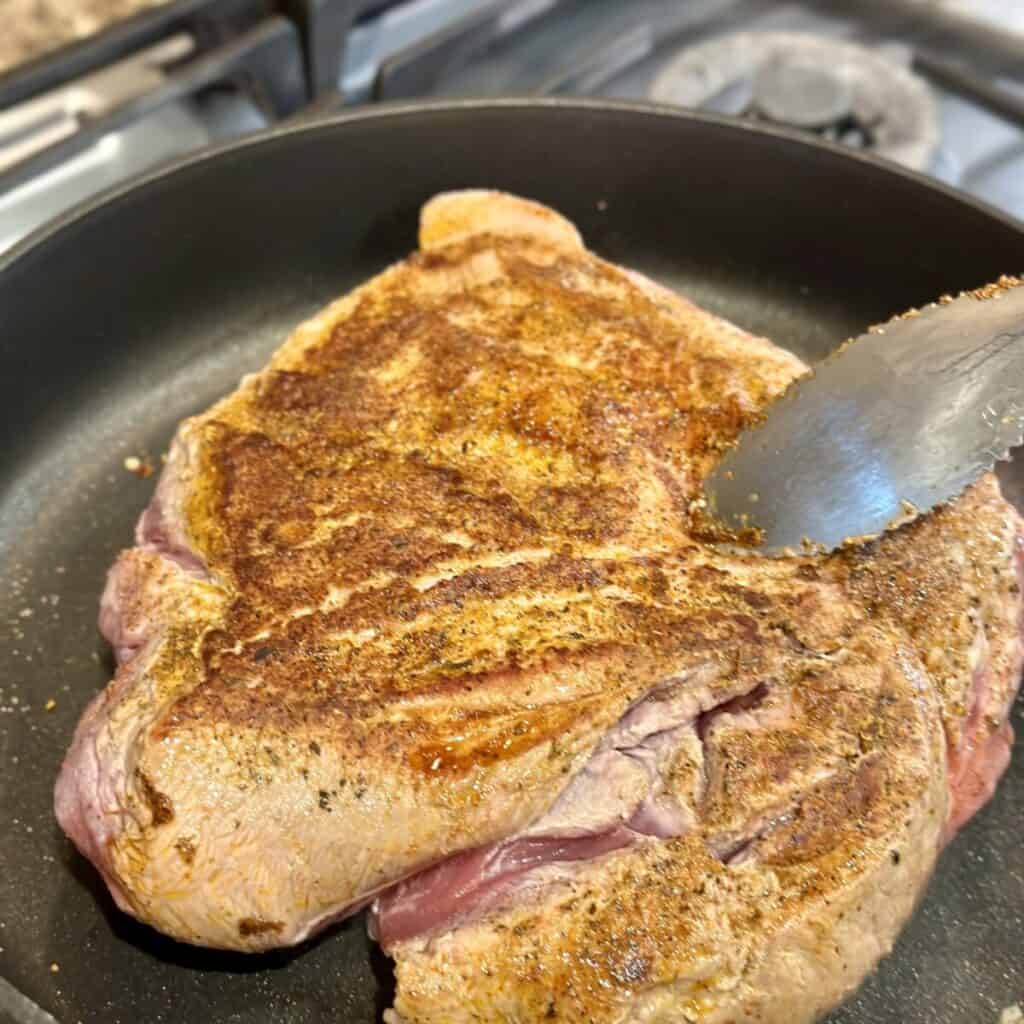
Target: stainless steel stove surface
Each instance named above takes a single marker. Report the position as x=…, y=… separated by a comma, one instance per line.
x=865, y=97
x=904, y=80
x=937, y=85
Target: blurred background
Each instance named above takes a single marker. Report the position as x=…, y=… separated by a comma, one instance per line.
x=94, y=91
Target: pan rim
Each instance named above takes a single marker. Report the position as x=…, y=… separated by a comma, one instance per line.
x=398, y=110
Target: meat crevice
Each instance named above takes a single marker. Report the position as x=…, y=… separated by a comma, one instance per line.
x=620, y=797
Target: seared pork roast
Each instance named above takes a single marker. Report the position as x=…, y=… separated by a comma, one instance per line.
x=419, y=618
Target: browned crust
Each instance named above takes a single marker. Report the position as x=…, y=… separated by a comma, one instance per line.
x=501, y=400
x=841, y=804
x=946, y=579
x=160, y=807
x=250, y=926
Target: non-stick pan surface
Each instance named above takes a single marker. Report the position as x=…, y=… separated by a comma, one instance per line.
x=142, y=309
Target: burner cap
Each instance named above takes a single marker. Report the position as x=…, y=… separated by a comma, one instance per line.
x=847, y=93
x=800, y=92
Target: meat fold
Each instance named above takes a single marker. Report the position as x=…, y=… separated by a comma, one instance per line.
x=419, y=617
x=618, y=798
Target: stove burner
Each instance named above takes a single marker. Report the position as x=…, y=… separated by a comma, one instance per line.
x=847, y=93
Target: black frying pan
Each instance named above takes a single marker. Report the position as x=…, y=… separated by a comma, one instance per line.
x=137, y=310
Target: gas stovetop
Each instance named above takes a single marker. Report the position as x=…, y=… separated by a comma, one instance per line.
x=934, y=85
